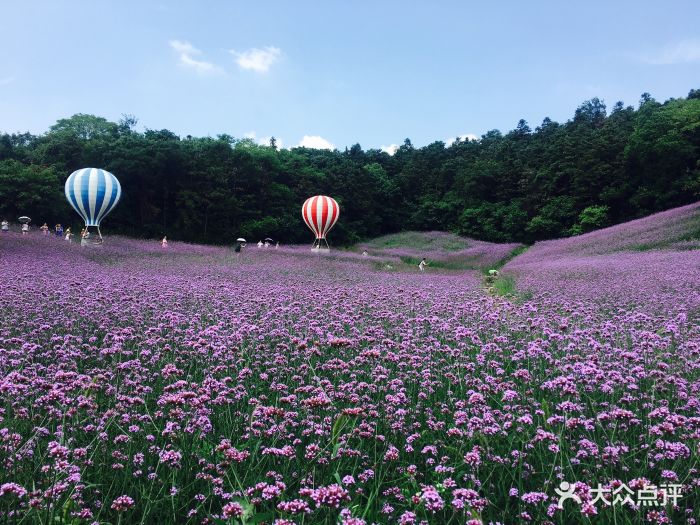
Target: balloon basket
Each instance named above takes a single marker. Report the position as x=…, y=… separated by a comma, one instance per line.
x=92, y=238
x=321, y=246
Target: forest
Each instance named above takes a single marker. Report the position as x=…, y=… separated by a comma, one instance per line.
x=601, y=167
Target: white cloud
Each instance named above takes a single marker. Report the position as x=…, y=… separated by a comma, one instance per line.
x=184, y=48
x=679, y=53
x=255, y=59
x=466, y=136
x=315, y=142
x=7, y=80
x=390, y=149
x=186, y=52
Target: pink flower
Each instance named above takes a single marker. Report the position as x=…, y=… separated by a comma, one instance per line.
x=13, y=488
x=588, y=509
x=232, y=510
x=392, y=454
x=476, y=399
x=534, y=497
x=122, y=503
x=473, y=458
x=670, y=475
x=468, y=498
x=296, y=506
x=171, y=458
x=431, y=498
x=330, y=496
x=286, y=451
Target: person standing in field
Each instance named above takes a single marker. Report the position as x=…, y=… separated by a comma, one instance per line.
x=422, y=265
x=45, y=229
x=59, y=230
x=260, y=244
x=25, y=228
x=68, y=235
x=5, y=226
x=164, y=242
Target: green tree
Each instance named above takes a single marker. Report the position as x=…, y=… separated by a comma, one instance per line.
x=591, y=218
x=32, y=191
x=523, y=185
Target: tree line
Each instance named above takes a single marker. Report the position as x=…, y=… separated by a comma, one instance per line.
x=599, y=168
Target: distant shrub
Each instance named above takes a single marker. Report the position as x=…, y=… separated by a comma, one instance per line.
x=591, y=218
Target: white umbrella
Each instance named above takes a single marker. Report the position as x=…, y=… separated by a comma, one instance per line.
x=24, y=219
x=241, y=239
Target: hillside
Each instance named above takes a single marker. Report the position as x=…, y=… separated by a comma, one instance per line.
x=676, y=229
x=442, y=249
x=650, y=261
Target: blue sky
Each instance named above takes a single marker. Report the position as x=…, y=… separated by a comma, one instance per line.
x=338, y=72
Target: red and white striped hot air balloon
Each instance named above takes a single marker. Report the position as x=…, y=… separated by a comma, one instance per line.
x=320, y=214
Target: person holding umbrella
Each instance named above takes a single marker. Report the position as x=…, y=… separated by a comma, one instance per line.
x=25, y=224
x=240, y=243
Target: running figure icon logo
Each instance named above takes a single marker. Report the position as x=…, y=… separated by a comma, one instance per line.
x=566, y=491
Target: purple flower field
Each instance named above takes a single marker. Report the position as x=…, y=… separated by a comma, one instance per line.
x=675, y=229
x=191, y=385
x=652, y=263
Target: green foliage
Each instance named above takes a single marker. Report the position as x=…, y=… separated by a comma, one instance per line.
x=600, y=168
x=591, y=218
x=504, y=285
x=512, y=255
x=552, y=219
x=495, y=222
x=29, y=190
x=428, y=241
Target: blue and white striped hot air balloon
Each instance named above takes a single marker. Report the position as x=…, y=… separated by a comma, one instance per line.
x=93, y=193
